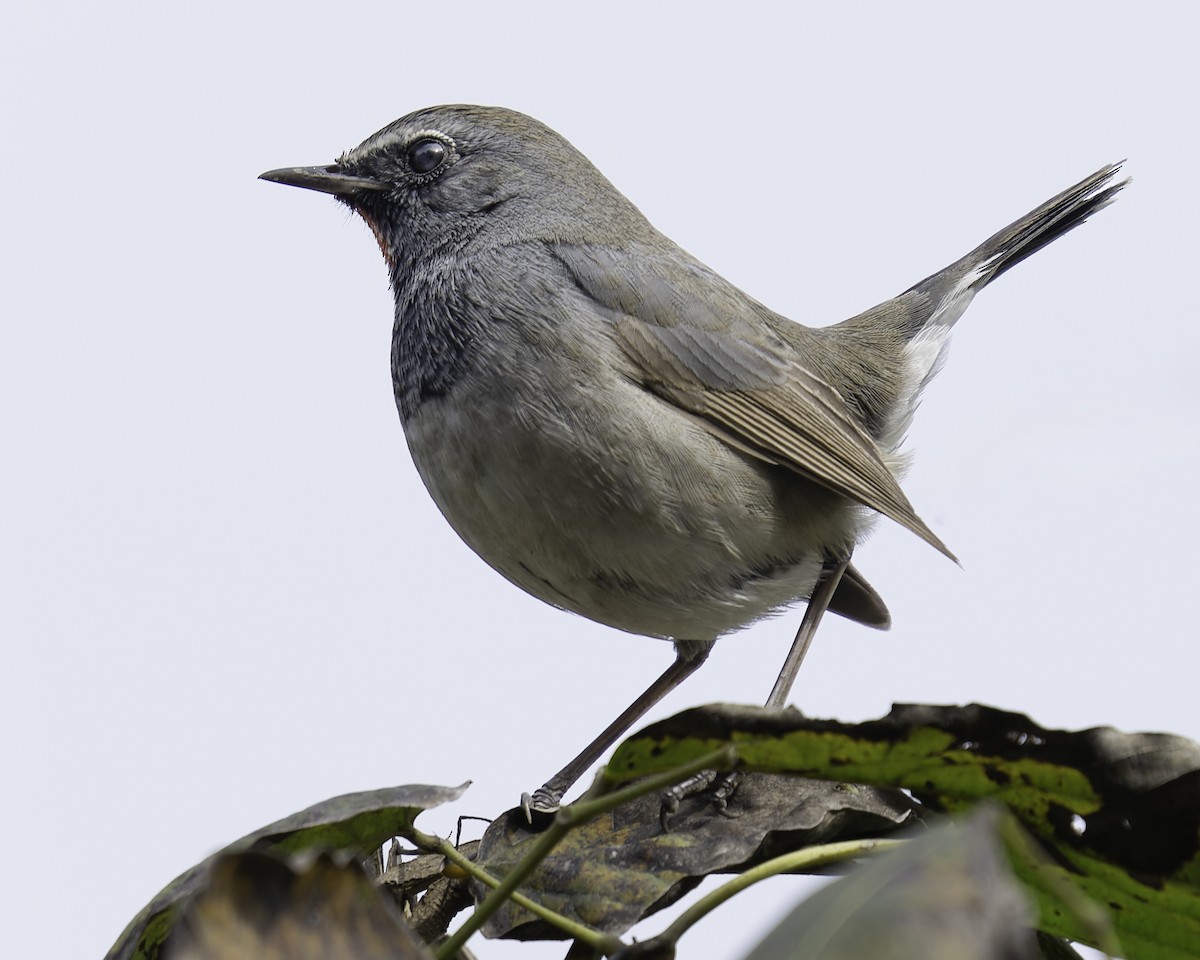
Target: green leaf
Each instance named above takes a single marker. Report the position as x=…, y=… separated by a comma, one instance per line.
x=355, y=822
x=1118, y=813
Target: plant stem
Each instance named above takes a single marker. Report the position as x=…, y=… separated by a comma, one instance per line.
x=578, y=931
x=797, y=860
x=596, y=801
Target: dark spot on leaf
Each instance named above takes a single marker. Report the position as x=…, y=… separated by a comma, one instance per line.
x=996, y=775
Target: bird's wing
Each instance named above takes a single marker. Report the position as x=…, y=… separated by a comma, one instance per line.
x=698, y=342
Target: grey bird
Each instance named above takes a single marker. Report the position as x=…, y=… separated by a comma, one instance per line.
x=616, y=428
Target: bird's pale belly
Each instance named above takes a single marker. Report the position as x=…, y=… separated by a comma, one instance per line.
x=668, y=543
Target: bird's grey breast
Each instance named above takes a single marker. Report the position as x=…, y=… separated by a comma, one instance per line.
x=438, y=324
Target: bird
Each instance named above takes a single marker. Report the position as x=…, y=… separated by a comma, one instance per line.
x=613, y=426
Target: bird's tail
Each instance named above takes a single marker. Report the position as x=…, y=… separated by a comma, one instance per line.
x=1027, y=236
x=920, y=319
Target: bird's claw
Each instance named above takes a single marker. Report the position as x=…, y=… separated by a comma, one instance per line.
x=544, y=802
x=692, y=785
x=724, y=793
x=668, y=809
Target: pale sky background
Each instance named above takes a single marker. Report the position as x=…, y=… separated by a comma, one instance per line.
x=226, y=595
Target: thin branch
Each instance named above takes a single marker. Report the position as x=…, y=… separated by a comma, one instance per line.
x=798, y=860
x=599, y=799
x=567, y=925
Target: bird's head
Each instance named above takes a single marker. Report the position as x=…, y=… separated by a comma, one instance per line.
x=442, y=177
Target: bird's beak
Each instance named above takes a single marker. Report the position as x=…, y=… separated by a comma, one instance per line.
x=329, y=179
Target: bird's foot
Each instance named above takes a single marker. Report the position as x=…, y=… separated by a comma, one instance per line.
x=697, y=783
x=543, y=803
x=725, y=791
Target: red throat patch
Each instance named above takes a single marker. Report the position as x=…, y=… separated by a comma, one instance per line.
x=379, y=237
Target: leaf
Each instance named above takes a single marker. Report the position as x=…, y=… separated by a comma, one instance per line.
x=1118, y=813
x=620, y=867
x=948, y=895
x=258, y=905
x=356, y=822
x=1154, y=917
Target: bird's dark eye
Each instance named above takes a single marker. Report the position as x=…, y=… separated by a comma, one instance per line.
x=426, y=155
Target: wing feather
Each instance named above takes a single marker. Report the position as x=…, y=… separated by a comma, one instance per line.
x=701, y=344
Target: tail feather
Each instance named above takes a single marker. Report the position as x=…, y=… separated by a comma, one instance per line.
x=1048, y=222
x=924, y=314
x=1042, y=226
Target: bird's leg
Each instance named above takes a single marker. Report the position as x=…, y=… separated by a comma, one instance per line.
x=826, y=586
x=688, y=657
x=818, y=603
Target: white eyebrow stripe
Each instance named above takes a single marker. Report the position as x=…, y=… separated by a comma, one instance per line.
x=387, y=139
